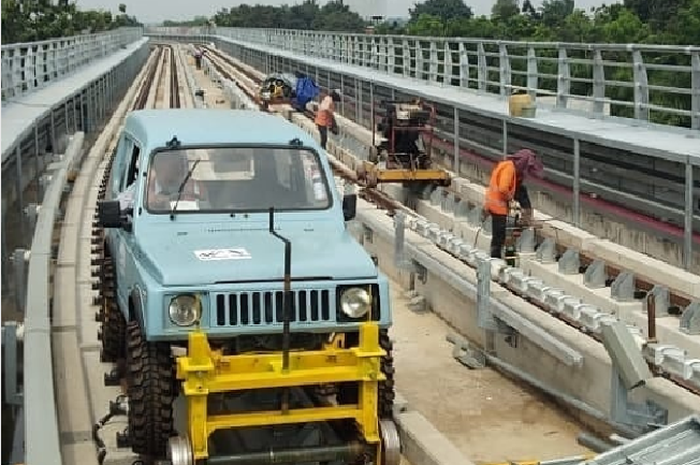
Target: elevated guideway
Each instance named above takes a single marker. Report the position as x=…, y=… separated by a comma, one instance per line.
x=547, y=351
x=624, y=179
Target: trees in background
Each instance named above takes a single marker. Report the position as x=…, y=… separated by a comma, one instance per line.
x=633, y=21
x=334, y=15
x=32, y=20
x=647, y=21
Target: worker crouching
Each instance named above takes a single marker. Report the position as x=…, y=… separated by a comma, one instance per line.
x=506, y=186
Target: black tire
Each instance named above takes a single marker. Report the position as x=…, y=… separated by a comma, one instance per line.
x=386, y=388
x=113, y=322
x=348, y=393
x=151, y=389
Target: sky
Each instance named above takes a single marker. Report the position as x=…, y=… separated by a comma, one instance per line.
x=151, y=11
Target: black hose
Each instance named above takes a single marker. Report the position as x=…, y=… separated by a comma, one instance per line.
x=113, y=410
x=101, y=448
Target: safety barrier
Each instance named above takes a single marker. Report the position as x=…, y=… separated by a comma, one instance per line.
x=27, y=67
x=40, y=419
x=644, y=79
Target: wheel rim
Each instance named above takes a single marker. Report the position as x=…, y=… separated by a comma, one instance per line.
x=180, y=451
x=391, y=443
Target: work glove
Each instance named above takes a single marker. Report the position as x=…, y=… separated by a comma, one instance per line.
x=484, y=214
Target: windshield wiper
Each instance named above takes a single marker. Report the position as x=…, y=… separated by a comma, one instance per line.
x=182, y=188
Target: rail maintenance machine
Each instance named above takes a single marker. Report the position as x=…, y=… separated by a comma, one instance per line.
x=277, y=89
x=406, y=133
x=229, y=281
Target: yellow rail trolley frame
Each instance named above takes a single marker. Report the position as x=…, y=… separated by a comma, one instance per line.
x=204, y=371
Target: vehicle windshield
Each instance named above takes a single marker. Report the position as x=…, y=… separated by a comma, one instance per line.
x=236, y=179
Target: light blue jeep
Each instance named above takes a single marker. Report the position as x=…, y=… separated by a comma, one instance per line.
x=197, y=209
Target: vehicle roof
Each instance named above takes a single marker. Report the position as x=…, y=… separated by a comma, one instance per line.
x=154, y=128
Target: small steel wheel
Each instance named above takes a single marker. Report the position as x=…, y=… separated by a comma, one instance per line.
x=391, y=443
x=180, y=451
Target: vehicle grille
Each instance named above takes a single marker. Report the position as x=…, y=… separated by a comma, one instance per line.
x=260, y=308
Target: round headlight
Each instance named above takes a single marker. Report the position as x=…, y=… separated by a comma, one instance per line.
x=355, y=302
x=185, y=310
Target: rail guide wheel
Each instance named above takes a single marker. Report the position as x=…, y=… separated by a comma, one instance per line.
x=180, y=449
x=391, y=442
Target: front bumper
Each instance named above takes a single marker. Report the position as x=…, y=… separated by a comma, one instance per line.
x=204, y=371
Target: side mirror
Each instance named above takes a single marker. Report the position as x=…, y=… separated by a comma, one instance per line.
x=109, y=214
x=349, y=206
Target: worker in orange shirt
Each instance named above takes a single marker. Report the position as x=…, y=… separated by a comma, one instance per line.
x=506, y=185
x=325, y=116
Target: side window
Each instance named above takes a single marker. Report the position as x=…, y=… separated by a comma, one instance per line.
x=133, y=167
x=132, y=159
x=123, y=148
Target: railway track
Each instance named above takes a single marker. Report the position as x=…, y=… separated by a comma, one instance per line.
x=247, y=80
x=624, y=187
x=220, y=63
x=678, y=300
x=159, y=84
x=80, y=379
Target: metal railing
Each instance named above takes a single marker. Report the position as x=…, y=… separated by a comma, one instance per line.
x=578, y=169
x=658, y=83
x=27, y=67
x=32, y=149
x=40, y=418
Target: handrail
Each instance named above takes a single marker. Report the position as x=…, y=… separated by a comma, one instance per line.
x=41, y=421
x=28, y=66
x=200, y=30
x=659, y=83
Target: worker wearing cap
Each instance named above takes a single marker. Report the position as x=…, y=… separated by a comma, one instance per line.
x=325, y=118
x=505, y=186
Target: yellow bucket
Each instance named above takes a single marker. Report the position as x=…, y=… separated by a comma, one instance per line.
x=516, y=103
x=529, y=111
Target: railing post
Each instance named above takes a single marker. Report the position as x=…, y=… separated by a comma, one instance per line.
x=19, y=263
x=598, y=83
x=463, y=66
x=688, y=223
x=576, y=211
x=456, y=146
x=434, y=62
x=504, y=70
x=406, y=58
x=695, y=90
x=447, y=64
x=532, y=77
x=563, y=78
x=483, y=69
x=399, y=238
x=641, y=87
x=20, y=190
x=13, y=396
x=420, y=60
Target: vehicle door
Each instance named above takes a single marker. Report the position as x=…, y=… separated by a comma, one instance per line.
x=123, y=241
